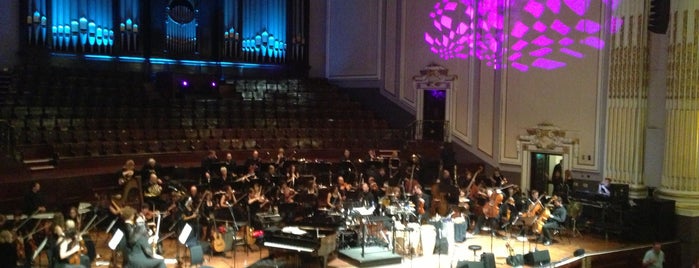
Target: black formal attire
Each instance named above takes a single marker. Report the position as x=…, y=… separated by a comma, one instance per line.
x=8, y=251
x=209, y=165
x=148, y=169
x=138, y=253
x=367, y=199
x=32, y=202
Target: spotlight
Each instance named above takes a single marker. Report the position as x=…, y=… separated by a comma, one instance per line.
x=213, y=84
x=184, y=83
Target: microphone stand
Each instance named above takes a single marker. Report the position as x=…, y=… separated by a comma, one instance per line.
x=235, y=228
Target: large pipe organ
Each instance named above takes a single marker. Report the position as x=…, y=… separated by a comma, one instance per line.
x=250, y=31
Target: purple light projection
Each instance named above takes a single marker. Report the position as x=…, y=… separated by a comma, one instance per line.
x=544, y=34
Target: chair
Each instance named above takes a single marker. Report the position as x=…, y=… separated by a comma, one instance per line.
x=561, y=230
x=196, y=254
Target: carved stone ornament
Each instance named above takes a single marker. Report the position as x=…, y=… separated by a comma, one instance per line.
x=546, y=136
x=433, y=76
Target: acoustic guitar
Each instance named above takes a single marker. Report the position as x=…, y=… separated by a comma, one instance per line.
x=217, y=242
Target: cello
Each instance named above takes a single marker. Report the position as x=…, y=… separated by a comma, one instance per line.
x=545, y=215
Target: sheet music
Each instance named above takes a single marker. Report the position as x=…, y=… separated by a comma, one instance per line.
x=116, y=238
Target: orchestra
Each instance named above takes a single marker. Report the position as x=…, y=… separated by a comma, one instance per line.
x=473, y=202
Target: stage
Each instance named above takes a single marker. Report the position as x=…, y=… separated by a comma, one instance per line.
x=560, y=250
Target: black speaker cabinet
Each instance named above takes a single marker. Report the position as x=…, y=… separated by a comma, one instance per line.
x=469, y=264
x=537, y=257
x=516, y=260
x=488, y=260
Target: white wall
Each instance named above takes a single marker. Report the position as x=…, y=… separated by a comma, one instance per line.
x=494, y=107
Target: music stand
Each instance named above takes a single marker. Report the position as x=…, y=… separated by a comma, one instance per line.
x=114, y=243
x=363, y=212
x=184, y=235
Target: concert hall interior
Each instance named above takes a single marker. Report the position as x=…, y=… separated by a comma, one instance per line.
x=363, y=133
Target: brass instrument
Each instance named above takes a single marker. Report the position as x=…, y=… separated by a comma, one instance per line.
x=154, y=190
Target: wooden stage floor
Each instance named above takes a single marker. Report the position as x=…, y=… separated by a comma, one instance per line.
x=561, y=249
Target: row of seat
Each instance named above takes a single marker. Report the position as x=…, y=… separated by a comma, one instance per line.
x=104, y=148
x=67, y=136
x=267, y=110
x=77, y=124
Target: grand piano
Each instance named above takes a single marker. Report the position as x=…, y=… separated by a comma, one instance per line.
x=311, y=241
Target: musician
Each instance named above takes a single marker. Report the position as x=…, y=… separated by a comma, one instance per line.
x=150, y=167
x=292, y=175
x=287, y=194
x=482, y=220
x=447, y=156
x=508, y=212
x=34, y=200
x=421, y=201
x=604, y=187
x=228, y=198
x=366, y=197
x=138, y=251
x=253, y=162
x=221, y=181
x=127, y=172
x=256, y=202
x=446, y=178
x=280, y=158
x=371, y=156
x=270, y=176
x=153, y=190
x=209, y=163
x=69, y=247
x=557, y=218
x=375, y=190
x=190, y=216
x=208, y=207
x=346, y=156
x=498, y=179
x=229, y=163
x=343, y=187
x=334, y=199
x=8, y=249
x=74, y=215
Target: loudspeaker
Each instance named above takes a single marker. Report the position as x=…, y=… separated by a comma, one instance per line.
x=516, y=260
x=469, y=264
x=488, y=260
x=537, y=258
x=579, y=252
x=659, y=17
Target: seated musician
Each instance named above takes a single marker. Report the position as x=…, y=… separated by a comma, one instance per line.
x=138, y=251
x=604, y=187
x=70, y=251
x=8, y=249
x=152, y=191
x=229, y=163
x=334, y=199
x=287, y=194
x=343, y=186
x=498, y=179
x=421, y=201
x=292, y=175
x=270, y=176
x=557, y=218
x=150, y=167
x=209, y=163
x=127, y=172
x=226, y=178
x=228, y=198
x=346, y=156
x=74, y=215
x=483, y=220
x=280, y=158
x=366, y=197
x=256, y=203
x=253, y=161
